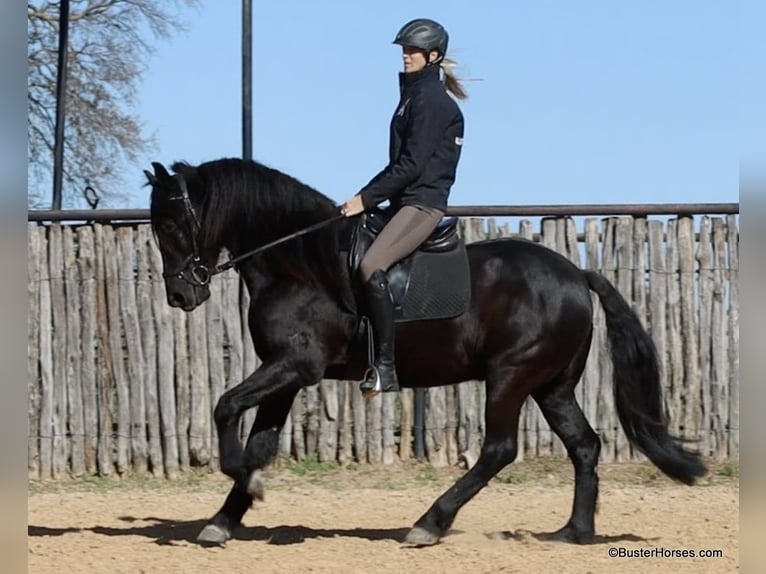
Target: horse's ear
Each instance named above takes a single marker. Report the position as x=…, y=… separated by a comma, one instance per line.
x=160, y=171
x=150, y=177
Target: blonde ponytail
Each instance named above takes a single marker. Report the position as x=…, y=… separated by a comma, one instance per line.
x=451, y=81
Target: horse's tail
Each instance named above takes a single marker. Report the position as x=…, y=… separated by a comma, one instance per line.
x=637, y=390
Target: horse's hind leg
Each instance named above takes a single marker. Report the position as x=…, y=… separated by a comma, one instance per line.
x=260, y=450
x=499, y=450
x=567, y=420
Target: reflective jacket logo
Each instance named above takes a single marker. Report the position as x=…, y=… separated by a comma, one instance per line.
x=400, y=111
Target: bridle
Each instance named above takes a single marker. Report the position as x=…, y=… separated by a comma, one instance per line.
x=193, y=271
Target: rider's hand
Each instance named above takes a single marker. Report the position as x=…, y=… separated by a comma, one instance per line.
x=353, y=206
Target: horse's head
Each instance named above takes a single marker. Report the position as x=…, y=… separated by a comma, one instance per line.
x=176, y=220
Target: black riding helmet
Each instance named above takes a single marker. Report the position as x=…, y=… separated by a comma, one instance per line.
x=424, y=34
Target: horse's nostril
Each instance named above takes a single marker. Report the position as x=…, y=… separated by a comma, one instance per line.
x=177, y=300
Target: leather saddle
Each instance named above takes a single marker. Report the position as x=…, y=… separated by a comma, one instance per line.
x=431, y=283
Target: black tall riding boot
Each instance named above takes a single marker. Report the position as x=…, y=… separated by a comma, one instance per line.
x=382, y=375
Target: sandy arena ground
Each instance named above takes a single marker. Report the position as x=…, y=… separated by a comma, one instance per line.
x=327, y=520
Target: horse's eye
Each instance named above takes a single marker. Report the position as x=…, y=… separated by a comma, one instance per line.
x=168, y=226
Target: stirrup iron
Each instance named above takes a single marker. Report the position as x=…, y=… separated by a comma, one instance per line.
x=371, y=376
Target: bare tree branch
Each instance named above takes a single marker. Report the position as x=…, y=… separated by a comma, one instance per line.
x=110, y=42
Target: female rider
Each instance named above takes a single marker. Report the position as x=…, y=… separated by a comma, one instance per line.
x=426, y=136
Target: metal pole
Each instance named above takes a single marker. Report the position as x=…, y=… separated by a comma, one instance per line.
x=635, y=209
x=247, y=80
x=419, y=430
x=58, y=149
x=464, y=211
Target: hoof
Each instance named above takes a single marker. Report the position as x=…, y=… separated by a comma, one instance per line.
x=213, y=534
x=419, y=537
x=256, y=486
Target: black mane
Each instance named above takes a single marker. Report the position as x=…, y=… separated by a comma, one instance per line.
x=245, y=204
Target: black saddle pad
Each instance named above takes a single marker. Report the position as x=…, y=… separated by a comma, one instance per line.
x=431, y=283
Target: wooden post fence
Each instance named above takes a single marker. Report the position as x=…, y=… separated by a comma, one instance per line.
x=120, y=382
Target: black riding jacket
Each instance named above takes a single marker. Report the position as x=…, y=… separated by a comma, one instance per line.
x=426, y=140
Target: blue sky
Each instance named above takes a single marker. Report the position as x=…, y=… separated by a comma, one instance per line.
x=581, y=102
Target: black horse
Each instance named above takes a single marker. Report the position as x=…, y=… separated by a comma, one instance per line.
x=527, y=331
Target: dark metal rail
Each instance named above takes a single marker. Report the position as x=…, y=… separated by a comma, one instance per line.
x=638, y=210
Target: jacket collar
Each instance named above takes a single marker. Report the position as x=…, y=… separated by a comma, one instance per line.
x=427, y=74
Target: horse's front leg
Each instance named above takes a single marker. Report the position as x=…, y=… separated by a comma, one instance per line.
x=261, y=449
x=273, y=379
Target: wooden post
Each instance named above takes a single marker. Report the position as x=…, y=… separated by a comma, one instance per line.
x=47, y=398
x=625, y=266
x=298, y=414
x=640, y=270
x=88, y=319
x=705, y=261
x=529, y=412
x=468, y=439
x=327, y=448
x=58, y=300
x=135, y=386
x=388, y=412
x=720, y=343
x=546, y=439
x=407, y=398
x=359, y=413
x=183, y=386
x=345, y=423
x=658, y=282
x=286, y=438
x=689, y=329
x=148, y=349
x=675, y=366
x=76, y=419
x=591, y=378
x=216, y=375
x=312, y=421
x=106, y=372
x=450, y=429
x=164, y=362
x=112, y=282
x=491, y=228
x=199, y=422
x=374, y=429
x=560, y=236
x=733, y=242
x=607, y=419
x=436, y=418
x=33, y=355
